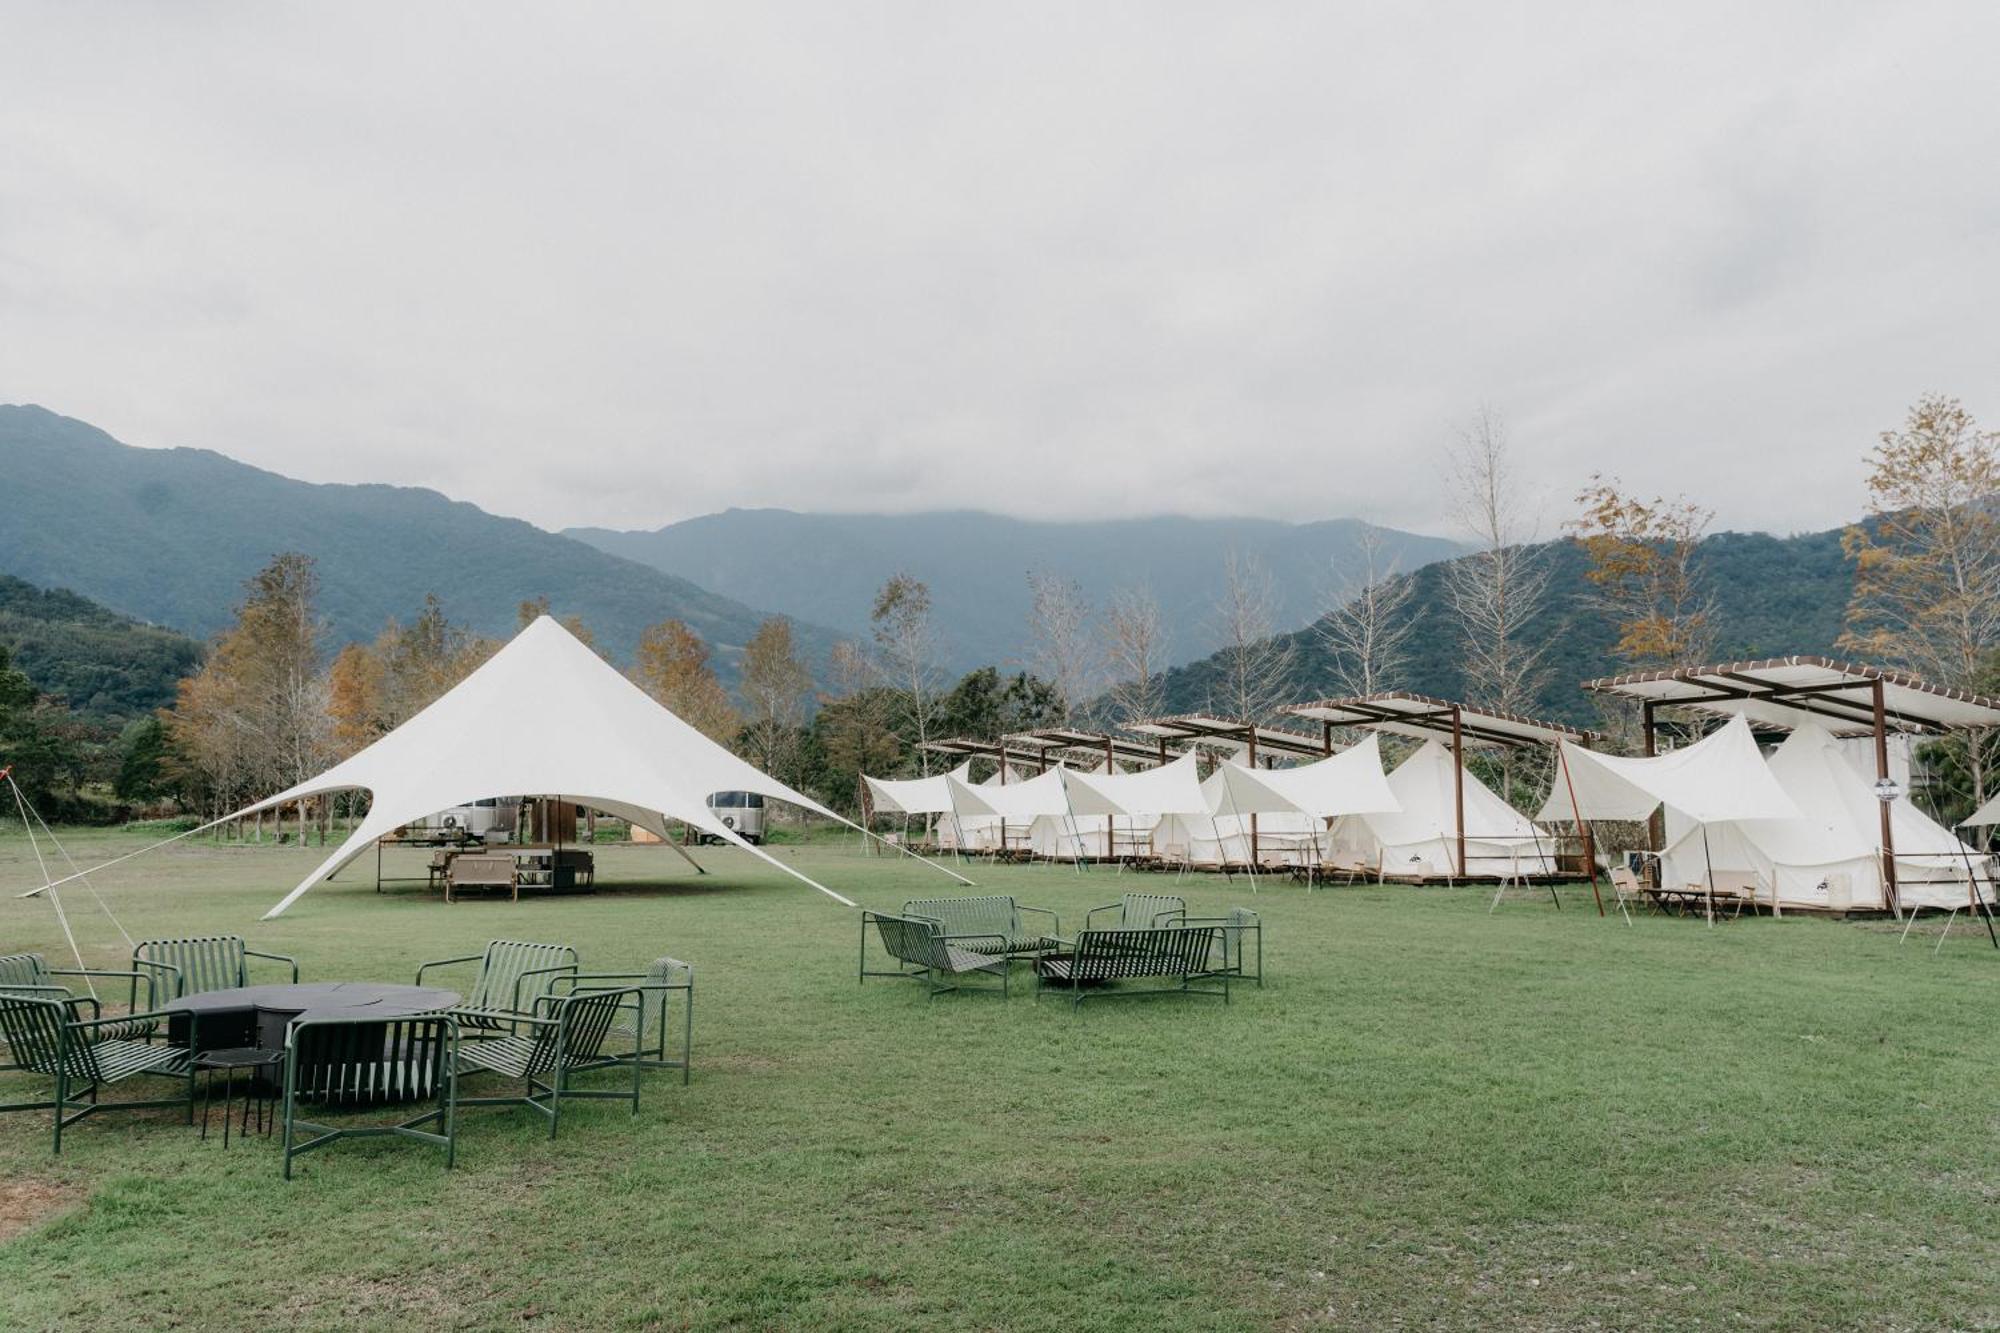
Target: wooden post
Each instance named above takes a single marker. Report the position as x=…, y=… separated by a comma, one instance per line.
x=1254, y=859
x=1656, y=823
x=1890, y=897
x=1326, y=735
x=1458, y=781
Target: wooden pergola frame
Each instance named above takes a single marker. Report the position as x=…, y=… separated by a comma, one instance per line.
x=1857, y=699
x=1403, y=713
x=1215, y=730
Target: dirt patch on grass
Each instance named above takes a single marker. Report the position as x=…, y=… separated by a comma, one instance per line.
x=29, y=1201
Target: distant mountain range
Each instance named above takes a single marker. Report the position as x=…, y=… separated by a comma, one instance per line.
x=170, y=535
x=109, y=668
x=1775, y=596
x=828, y=567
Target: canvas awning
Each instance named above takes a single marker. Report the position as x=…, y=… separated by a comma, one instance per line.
x=915, y=796
x=1170, y=789
x=1350, y=783
x=1040, y=795
x=1720, y=777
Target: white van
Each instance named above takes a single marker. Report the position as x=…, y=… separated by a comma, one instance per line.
x=740, y=811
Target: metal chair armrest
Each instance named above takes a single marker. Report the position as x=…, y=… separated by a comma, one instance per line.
x=275, y=958
x=1056, y=928
x=444, y=962
x=96, y=1009
x=1106, y=907
x=154, y=1015
x=563, y=968
x=153, y=978
x=998, y=941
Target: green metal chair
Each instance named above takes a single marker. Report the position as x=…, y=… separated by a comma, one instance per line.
x=663, y=979
x=203, y=963
x=1241, y=943
x=988, y=914
x=514, y=976
x=921, y=948
x=48, y=1038
x=565, y=1038
x=348, y=1064
x=29, y=974
x=1139, y=911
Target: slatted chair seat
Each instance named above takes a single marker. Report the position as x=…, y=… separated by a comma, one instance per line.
x=565, y=1039
x=989, y=914
x=49, y=1040
x=922, y=949
x=1185, y=954
x=30, y=974
x=514, y=976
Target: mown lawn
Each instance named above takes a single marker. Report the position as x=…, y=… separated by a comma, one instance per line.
x=1430, y=1116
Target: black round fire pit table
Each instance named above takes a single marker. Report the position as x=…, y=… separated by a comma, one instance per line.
x=258, y=1015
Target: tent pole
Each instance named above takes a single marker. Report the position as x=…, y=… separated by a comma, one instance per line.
x=1254, y=850
x=1458, y=782
x=1589, y=848
x=1972, y=885
x=1882, y=775
x=378, y=865
x=1656, y=823
x=1708, y=861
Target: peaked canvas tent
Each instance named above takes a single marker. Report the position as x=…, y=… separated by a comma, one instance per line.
x=972, y=833
x=604, y=743
x=1831, y=855
x=1423, y=835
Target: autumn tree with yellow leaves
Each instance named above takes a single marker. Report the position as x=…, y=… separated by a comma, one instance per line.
x=672, y=667
x=1643, y=571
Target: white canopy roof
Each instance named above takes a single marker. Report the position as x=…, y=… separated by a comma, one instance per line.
x=1350, y=783
x=593, y=738
x=916, y=796
x=1170, y=789
x=1040, y=795
x=1720, y=777
x=1985, y=814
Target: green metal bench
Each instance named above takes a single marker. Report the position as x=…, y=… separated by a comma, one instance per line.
x=203, y=963
x=665, y=978
x=921, y=948
x=565, y=1037
x=987, y=914
x=1140, y=911
x=48, y=1038
x=514, y=975
x=1179, y=953
x=29, y=974
x=347, y=1063
x=1242, y=951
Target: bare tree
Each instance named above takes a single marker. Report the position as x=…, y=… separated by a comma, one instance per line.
x=1499, y=588
x=1256, y=661
x=902, y=618
x=1059, y=628
x=1369, y=627
x=1134, y=648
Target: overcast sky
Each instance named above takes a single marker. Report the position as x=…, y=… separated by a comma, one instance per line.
x=622, y=265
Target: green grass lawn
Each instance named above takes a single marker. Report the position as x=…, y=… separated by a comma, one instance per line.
x=1430, y=1115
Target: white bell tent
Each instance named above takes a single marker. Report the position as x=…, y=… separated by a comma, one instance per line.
x=972, y=833
x=1012, y=807
x=1422, y=837
x=1830, y=857
x=596, y=739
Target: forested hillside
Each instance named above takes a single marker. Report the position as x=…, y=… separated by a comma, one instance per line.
x=106, y=667
x=1773, y=596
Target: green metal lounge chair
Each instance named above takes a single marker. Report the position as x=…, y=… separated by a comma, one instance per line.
x=204, y=963
x=988, y=914
x=566, y=1038
x=1139, y=911
x=30, y=974
x=1242, y=952
x=344, y=1063
x=663, y=979
x=48, y=1038
x=921, y=948
x=514, y=976
x=1185, y=954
